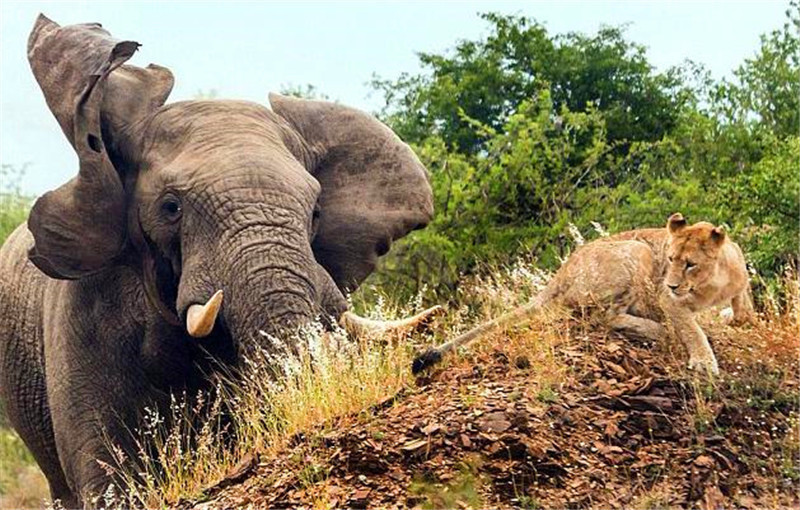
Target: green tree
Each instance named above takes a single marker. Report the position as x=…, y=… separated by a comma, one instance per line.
x=765, y=92
x=516, y=198
x=488, y=79
x=765, y=199
x=525, y=133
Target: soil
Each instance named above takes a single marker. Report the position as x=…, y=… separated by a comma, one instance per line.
x=621, y=429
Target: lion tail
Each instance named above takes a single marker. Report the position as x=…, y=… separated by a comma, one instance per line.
x=434, y=355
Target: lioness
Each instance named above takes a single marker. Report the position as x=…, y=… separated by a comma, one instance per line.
x=640, y=279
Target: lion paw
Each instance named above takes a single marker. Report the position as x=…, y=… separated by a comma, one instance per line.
x=726, y=314
x=704, y=365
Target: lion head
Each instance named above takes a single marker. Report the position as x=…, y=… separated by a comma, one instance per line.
x=692, y=253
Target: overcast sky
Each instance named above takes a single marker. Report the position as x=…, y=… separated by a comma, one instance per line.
x=242, y=50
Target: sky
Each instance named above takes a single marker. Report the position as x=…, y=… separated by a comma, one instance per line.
x=243, y=50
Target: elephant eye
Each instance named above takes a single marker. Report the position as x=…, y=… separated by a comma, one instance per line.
x=171, y=208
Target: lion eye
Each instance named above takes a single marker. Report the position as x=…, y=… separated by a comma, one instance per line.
x=669, y=258
x=689, y=265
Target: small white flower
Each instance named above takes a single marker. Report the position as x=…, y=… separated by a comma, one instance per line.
x=599, y=229
x=576, y=234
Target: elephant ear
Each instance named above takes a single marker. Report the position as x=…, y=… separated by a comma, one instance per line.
x=374, y=189
x=81, y=226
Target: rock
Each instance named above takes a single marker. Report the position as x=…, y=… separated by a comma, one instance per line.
x=495, y=422
x=650, y=403
x=430, y=429
x=360, y=499
x=704, y=461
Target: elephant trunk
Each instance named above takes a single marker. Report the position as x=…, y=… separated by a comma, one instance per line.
x=272, y=290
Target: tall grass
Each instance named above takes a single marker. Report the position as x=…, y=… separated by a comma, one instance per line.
x=330, y=377
x=333, y=378
x=14, y=206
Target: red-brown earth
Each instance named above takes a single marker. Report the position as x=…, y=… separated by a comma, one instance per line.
x=616, y=425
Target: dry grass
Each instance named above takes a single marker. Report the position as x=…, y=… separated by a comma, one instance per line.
x=22, y=485
x=333, y=377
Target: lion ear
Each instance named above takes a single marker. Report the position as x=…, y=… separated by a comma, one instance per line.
x=675, y=223
x=718, y=235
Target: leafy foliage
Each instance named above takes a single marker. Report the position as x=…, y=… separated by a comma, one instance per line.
x=525, y=133
x=767, y=87
x=488, y=79
x=13, y=206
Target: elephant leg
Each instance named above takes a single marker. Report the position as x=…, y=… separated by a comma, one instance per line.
x=637, y=327
x=49, y=464
x=94, y=410
x=23, y=391
x=64, y=495
x=28, y=412
x=96, y=388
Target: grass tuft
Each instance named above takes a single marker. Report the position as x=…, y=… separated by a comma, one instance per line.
x=22, y=485
x=330, y=377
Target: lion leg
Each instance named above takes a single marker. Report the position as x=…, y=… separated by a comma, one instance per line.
x=701, y=357
x=637, y=327
x=742, y=304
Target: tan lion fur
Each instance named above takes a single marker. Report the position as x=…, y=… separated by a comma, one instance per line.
x=646, y=282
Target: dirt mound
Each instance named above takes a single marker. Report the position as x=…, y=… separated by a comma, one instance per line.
x=617, y=429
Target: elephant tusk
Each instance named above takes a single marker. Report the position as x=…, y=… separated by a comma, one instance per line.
x=357, y=325
x=200, y=319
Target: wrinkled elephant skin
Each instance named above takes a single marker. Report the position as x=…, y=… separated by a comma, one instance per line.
x=189, y=227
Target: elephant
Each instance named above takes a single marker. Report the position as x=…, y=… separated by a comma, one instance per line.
x=190, y=227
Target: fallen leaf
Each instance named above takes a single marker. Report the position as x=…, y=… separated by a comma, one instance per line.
x=704, y=461
x=414, y=444
x=430, y=429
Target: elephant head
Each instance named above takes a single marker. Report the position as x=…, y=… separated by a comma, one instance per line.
x=237, y=218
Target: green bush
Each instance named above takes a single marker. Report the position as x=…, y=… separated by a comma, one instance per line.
x=525, y=133
x=766, y=203
x=13, y=206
